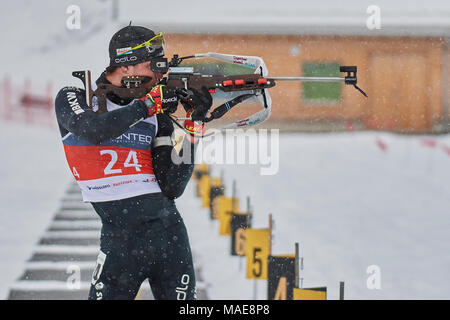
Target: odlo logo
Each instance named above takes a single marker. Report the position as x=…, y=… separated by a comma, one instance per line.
x=125, y=59
x=181, y=291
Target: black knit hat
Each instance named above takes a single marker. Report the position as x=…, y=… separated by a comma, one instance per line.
x=120, y=53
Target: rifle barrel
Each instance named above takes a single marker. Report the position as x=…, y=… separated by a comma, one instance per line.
x=309, y=79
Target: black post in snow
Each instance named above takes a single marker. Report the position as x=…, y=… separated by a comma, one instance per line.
x=341, y=290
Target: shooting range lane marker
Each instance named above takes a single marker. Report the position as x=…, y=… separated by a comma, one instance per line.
x=64, y=225
x=46, y=286
x=254, y=237
x=58, y=265
x=74, y=234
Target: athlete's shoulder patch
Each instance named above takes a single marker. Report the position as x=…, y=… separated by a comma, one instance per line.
x=73, y=102
x=71, y=95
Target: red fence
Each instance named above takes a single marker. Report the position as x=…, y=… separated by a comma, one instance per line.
x=27, y=103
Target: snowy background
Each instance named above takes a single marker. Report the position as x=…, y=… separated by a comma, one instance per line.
x=350, y=199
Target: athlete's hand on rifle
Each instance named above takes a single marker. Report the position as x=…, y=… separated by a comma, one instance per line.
x=196, y=108
x=162, y=99
x=198, y=103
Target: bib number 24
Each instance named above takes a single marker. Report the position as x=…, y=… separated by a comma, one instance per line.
x=131, y=161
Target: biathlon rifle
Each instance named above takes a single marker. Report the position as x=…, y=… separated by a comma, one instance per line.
x=251, y=85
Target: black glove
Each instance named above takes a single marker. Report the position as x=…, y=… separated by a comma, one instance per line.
x=200, y=102
x=171, y=97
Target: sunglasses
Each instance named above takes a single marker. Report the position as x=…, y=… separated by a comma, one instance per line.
x=155, y=43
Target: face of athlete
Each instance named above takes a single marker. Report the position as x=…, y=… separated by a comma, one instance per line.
x=143, y=69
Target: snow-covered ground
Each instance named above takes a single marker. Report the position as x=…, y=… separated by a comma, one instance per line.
x=33, y=179
x=347, y=202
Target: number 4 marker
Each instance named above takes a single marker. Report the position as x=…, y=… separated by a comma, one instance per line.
x=132, y=156
x=75, y=172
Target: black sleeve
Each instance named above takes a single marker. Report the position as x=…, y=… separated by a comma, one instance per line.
x=74, y=115
x=173, y=177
